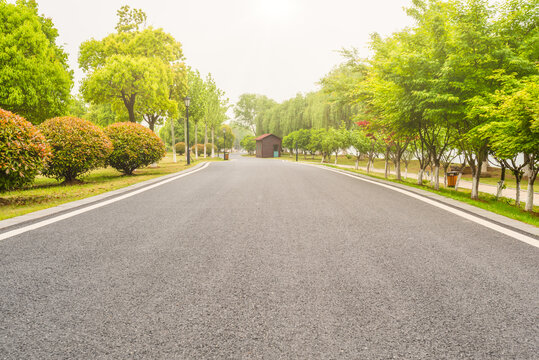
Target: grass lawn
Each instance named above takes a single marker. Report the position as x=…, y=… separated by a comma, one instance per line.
x=45, y=192
x=413, y=167
x=488, y=202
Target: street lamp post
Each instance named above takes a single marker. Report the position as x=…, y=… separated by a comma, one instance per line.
x=187, y=100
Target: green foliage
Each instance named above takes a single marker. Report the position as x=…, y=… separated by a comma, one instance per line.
x=135, y=146
x=180, y=148
x=248, y=143
x=23, y=151
x=225, y=132
x=360, y=142
x=78, y=146
x=34, y=74
x=130, y=19
x=103, y=115
x=136, y=70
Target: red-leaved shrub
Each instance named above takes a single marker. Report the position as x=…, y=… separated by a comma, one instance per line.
x=23, y=151
x=134, y=146
x=78, y=146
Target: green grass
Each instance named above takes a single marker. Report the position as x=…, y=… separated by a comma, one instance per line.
x=491, y=178
x=45, y=192
x=504, y=206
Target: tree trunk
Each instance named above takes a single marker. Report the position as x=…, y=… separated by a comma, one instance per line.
x=398, y=168
x=357, y=163
x=406, y=171
x=336, y=156
x=532, y=175
x=436, y=174
x=205, y=138
x=173, y=140
x=475, y=182
x=386, y=162
x=369, y=165
x=212, y=143
x=458, y=181
x=500, y=183
x=196, y=141
x=517, y=197
x=420, y=177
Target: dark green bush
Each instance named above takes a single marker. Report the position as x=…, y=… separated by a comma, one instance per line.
x=135, y=146
x=78, y=146
x=23, y=151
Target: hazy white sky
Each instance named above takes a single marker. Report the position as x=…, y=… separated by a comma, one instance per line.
x=271, y=47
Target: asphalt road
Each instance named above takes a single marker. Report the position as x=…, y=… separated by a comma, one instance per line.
x=266, y=259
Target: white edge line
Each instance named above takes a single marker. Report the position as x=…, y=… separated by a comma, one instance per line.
x=52, y=220
x=516, y=235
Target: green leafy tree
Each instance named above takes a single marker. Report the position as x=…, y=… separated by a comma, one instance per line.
x=225, y=133
x=248, y=143
x=132, y=69
x=361, y=144
x=34, y=75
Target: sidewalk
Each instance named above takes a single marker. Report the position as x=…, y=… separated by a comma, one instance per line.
x=490, y=189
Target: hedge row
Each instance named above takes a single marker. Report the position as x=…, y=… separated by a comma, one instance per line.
x=66, y=147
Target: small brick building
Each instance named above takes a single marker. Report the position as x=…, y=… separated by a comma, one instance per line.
x=268, y=145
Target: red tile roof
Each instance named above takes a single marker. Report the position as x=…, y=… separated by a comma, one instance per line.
x=263, y=136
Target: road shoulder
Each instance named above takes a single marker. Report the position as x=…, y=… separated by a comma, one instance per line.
x=501, y=220
x=56, y=210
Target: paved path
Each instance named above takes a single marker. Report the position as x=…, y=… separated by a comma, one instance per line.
x=267, y=259
x=486, y=188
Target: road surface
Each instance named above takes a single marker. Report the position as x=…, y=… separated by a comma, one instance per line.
x=252, y=259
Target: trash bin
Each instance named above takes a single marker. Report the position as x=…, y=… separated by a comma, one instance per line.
x=226, y=156
x=452, y=178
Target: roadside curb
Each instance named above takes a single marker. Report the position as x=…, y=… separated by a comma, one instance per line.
x=40, y=214
x=485, y=214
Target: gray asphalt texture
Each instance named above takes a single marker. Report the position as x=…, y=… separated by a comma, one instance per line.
x=265, y=259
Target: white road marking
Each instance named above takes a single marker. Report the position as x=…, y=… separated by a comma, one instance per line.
x=52, y=220
x=516, y=235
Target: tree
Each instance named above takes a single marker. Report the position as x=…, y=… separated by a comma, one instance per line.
x=225, y=132
x=361, y=144
x=131, y=67
x=514, y=131
x=248, y=143
x=251, y=110
x=34, y=74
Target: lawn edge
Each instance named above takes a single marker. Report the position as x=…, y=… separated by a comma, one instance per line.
x=501, y=220
x=55, y=210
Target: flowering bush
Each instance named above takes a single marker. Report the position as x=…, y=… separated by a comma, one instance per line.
x=180, y=148
x=134, y=146
x=23, y=151
x=78, y=146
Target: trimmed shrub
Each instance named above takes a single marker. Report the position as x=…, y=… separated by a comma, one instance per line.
x=180, y=148
x=23, y=151
x=78, y=146
x=208, y=148
x=134, y=146
x=201, y=148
